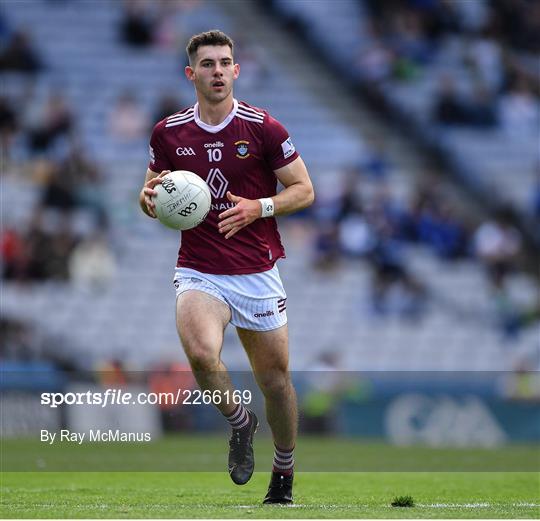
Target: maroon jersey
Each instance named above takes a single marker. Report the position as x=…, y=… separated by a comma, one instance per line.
x=238, y=155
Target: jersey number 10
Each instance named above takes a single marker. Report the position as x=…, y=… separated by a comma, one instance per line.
x=214, y=154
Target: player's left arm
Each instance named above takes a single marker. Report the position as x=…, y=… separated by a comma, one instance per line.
x=297, y=194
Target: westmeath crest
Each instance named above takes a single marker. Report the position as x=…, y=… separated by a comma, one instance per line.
x=242, y=150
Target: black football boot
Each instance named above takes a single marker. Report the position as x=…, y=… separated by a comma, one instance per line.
x=241, y=460
x=279, y=490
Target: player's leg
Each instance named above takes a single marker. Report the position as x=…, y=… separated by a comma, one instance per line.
x=201, y=320
x=268, y=353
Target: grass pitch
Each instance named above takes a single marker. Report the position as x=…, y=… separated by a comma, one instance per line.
x=317, y=495
x=129, y=494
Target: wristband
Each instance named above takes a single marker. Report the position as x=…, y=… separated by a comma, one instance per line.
x=267, y=205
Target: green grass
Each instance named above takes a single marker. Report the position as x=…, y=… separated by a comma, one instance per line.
x=184, y=453
x=317, y=495
x=41, y=493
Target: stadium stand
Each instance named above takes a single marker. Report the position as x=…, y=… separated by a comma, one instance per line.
x=430, y=314
x=411, y=53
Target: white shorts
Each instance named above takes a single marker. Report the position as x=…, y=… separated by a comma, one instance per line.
x=257, y=301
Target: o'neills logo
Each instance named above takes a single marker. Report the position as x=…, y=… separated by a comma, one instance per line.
x=265, y=314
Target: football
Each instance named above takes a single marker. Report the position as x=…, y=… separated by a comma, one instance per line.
x=183, y=200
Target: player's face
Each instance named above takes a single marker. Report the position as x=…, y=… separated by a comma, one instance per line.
x=213, y=72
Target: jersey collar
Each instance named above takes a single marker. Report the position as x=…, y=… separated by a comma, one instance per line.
x=215, y=128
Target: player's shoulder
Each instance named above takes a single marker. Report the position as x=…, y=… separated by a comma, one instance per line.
x=251, y=113
x=174, y=120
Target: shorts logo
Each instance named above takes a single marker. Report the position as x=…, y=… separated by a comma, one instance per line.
x=188, y=209
x=265, y=314
x=242, y=151
x=282, y=304
x=176, y=283
x=185, y=151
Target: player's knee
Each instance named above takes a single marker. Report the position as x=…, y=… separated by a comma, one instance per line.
x=275, y=384
x=202, y=358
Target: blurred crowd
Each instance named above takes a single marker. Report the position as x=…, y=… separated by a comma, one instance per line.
x=165, y=24
x=67, y=234
x=362, y=218
x=488, y=38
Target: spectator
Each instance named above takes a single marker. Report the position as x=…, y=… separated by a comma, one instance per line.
x=383, y=211
x=58, y=189
x=452, y=108
x=91, y=264
x=59, y=250
x=254, y=72
x=37, y=245
x=19, y=55
x=137, y=27
x=439, y=228
x=8, y=125
x=13, y=254
x=127, y=121
x=449, y=108
x=480, y=109
x=520, y=110
x=168, y=104
x=407, y=37
x=112, y=374
x=374, y=60
x=425, y=198
x=529, y=38
x=520, y=23
x=19, y=340
x=55, y=121
x=497, y=244
x=327, y=246
x=535, y=201
x=42, y=251
x=82, y=177
x=394, y=290
x=4, y=29
x=443, y=19
x=484, y=55
x=354, y=233
x=375, y=163
x=356, y=237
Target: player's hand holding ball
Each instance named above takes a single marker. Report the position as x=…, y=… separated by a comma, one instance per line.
x=180, y=200
x=244, y=212
x=149, y=192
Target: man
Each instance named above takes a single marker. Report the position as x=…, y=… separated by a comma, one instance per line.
x=226, y=268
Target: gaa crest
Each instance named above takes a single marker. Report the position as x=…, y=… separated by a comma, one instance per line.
x=242, y=150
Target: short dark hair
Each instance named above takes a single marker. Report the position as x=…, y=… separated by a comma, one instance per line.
x=214, y=37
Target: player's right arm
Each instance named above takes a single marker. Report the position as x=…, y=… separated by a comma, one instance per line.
x=147, y=192
x=158, y=163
